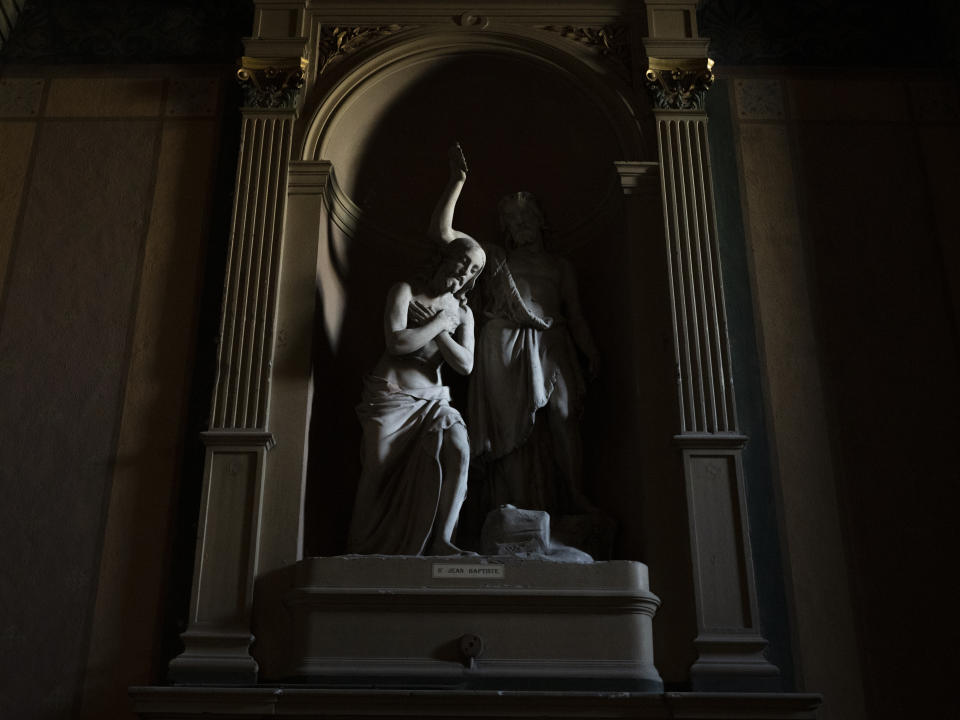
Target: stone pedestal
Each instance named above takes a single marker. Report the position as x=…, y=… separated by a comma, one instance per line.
x=468, y=623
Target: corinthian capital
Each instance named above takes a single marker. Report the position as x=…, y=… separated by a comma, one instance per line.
x=679, y=84
x=271, y=83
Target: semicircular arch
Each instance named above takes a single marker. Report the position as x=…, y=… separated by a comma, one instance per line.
x=531, y=114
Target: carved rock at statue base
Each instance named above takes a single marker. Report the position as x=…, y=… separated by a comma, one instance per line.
x=525, y=533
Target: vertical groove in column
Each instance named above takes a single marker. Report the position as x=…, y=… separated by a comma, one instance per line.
x=670, y=280
x=256, y=279
x=255, y=342
x=271, y=242
x=701, y=346
x=257, y=270
x=232, y=269
x=241, y=396
x=241, y=242
x=268, y=278
x=709, y=242
x=249, y=236
x=694, y=274
x=693, y=322
x=698, y=217
x=688, y=420
x=717, y=276
x=265, y=356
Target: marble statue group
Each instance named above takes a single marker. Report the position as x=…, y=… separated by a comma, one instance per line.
x=526, y=384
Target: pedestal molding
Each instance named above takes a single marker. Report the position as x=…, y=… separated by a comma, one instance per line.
x=466, y=600
x=170, y=703
x=706, y=441
x=253, y=439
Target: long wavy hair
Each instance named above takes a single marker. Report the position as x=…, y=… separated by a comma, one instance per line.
x=453, y=248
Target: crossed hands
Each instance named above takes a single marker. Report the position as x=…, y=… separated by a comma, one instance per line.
x=448, y=313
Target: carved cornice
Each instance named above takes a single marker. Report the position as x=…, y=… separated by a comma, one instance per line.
x=271, y=83
x=679, y=84
x=337, y=42
x=611, y=41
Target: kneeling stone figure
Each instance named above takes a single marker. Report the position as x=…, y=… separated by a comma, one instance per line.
x=415, y=453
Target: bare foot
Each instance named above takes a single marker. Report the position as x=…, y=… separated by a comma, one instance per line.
x=445, y=548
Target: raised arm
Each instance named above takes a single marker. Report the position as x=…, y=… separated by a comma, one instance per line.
x=441, y=222
x=401, y=339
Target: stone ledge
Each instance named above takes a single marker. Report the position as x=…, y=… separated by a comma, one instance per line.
x=170, y=703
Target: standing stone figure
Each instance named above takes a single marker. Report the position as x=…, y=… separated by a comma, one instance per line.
x=526, y=393
x=415, y=452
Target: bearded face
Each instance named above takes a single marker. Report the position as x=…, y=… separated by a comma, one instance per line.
x=521, y=221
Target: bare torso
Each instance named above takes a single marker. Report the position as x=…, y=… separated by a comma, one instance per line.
x=538, y=276
x=421, y=367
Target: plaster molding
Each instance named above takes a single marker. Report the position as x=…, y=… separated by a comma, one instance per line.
x=333, y=43
x=728, y=441
x=235, y=439
x=581, y=12
x=680, y=48
x=584, y=601
x=286, y=702
x=611, y=41
x=309, y=177
x=351, y=218
x=638, y=176
x=582, y=65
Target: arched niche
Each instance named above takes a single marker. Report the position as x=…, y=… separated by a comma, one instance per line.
x=530, y=117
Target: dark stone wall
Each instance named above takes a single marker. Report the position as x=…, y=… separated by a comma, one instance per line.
x=129, y=31
x=63, y=354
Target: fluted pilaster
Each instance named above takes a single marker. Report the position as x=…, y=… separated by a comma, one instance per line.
x=230, y=541
x=729, y=642
x=241, y=394
x=701, y=350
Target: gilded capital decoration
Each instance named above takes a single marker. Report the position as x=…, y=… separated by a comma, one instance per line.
x=679, y=84
x=271, y=83
x=336, y=42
